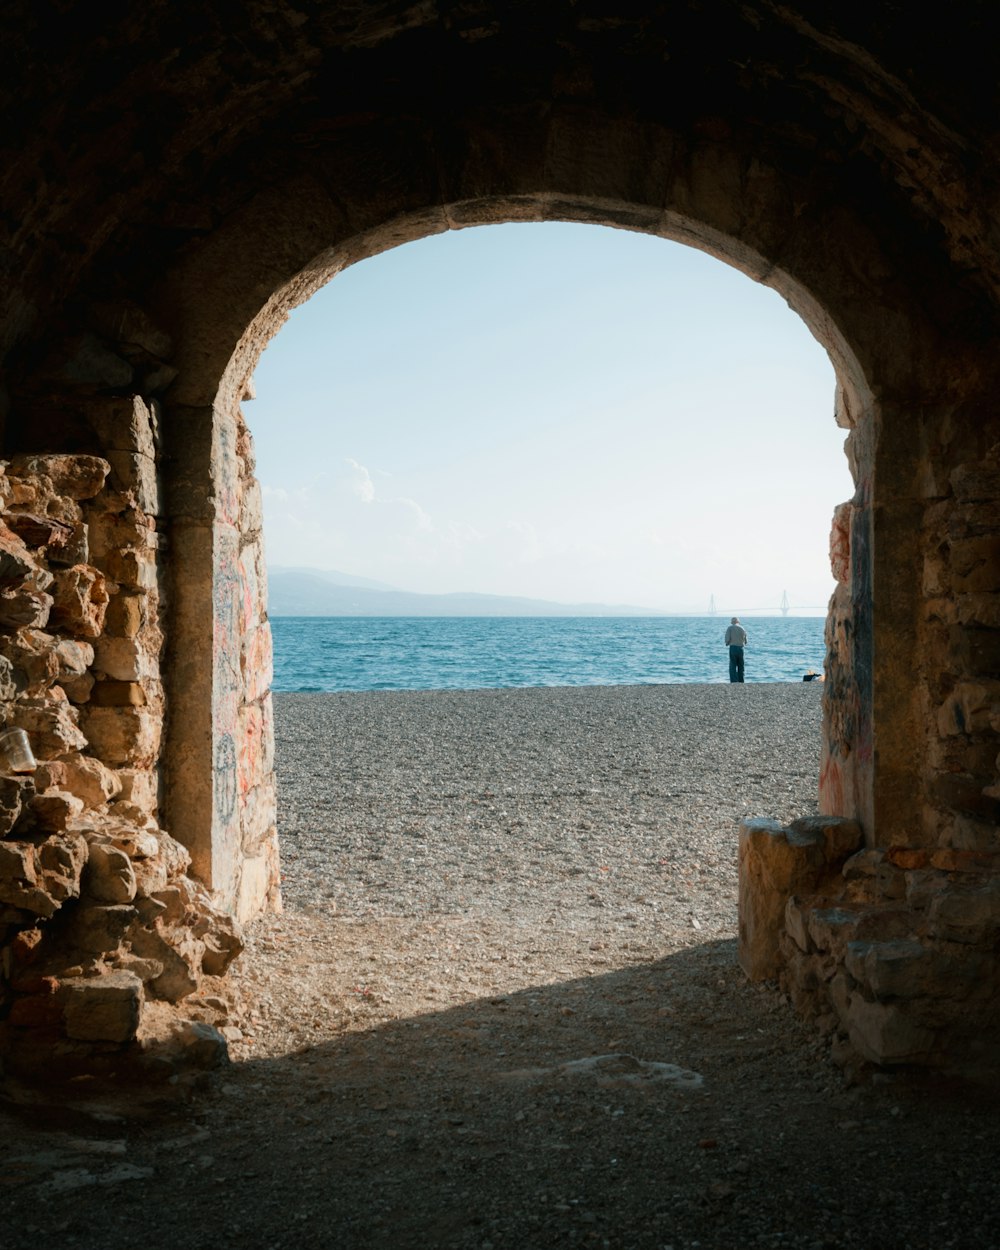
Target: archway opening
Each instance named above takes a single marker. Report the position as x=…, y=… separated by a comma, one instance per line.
x=416, y=812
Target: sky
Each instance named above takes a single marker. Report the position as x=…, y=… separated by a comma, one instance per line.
x=560, y=411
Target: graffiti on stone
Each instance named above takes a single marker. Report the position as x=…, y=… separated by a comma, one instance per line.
x=225, y=778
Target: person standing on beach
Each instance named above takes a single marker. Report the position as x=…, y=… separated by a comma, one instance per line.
x=736, y=640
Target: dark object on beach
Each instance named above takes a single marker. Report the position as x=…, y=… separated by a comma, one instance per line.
x=811, y=676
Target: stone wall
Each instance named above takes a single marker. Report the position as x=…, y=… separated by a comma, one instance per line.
x=102, y=929
x=890, y=939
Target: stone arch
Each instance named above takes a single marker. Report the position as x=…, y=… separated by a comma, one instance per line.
x=823, y=154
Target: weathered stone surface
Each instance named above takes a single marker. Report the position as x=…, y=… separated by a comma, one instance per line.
x=121, y=422
x=137, y=475
x=109, y=876
x=123, y=735
x=177, y=950
x=223, y=942
x=15, y=792
x=39, y=876
x=39, y=531
x=774, y=862
x=886, y=1034
x=125, y=659
x=830, y=929
x=8, y=686
x=135, y=570
x=80, y=597
x=52, y=728
x=79, y=477
x=841, y=836
x=125, y=617
x=200, y=1045
x=16, y=561
x=840, y=543
x=118, y=694
x=140, y=787
x=24, y=607
x=98, y=929
x=888, y=969
x=73, y=658
x=107, y=1008
x=55, y=809
x=89, y=780
x=967, y=913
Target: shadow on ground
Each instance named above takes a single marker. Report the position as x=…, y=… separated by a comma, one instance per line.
x=462, y=1129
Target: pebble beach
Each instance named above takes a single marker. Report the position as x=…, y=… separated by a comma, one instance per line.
x=501, y=1010
x=489, y=801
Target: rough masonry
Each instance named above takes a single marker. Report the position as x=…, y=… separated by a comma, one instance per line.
x=176, y=180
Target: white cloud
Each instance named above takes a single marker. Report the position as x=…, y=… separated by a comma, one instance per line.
x=361, y=482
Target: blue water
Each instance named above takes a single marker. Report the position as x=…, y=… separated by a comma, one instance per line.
x=474, y=652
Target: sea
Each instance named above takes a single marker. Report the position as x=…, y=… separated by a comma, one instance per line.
x=338, y=653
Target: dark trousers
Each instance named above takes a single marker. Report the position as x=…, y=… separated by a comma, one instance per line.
x=735, y=663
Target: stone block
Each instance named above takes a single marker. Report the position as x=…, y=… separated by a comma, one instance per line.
x=831, y=928
x=24, y=608
x=99, y=929
x=976, y=481
x=840, y=543
x=199, y=1045
x=840, y=835
x=137, y=843
x=982, y=610
x=136, y=474
x=109, y=876
x=796, y=923
x=140, y=787
x=8, y=686
x=39, y=531
x=178, y=950
x=118, y=694
x=38, y=879
x=76, y=548
x=135, y=570
x=123, y=735
x=125, y=659
x=61, y=860
x=970, y=708
x=258, y=818
x=16, y=561
x=30, y=653
x=72, y=657
x=886, y=1034
x=174, y=854
x=774, y=862
x=967, y=914
x=106, y=1008
x=126, y=324
x=125, y=617
x=15, y=793
x=223, y=943
x=80, y=600
x=90, y=780
x=257, y=663
x=79, y=477
x=975, y=564
x=151, y=877
x=889, y=969
x=52, y=728
x=55, y=809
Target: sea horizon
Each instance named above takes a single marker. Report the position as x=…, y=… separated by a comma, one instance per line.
x=336, y=654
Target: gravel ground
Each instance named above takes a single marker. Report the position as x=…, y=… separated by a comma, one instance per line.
x=502, y=1009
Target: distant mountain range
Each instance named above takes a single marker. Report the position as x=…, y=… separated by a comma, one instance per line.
x=325, y=592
